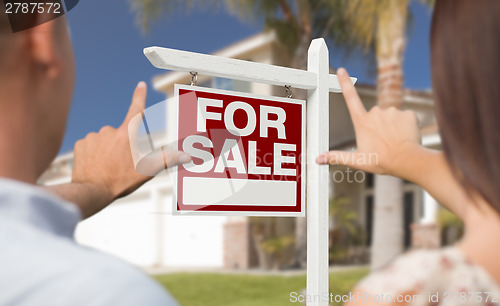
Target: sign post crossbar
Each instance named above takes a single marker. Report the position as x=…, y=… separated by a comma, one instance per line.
x=318, y=82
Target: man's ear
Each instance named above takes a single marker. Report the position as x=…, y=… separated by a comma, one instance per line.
x=43, y=47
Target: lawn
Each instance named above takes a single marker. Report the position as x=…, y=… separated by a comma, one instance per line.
x=207, y=289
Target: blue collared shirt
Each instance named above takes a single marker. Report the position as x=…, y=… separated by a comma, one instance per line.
x=41, y=264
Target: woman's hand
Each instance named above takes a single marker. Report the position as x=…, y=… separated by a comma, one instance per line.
x=388, y=142
x=383, y=136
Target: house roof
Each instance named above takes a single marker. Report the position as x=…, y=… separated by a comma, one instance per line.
x=242, y=48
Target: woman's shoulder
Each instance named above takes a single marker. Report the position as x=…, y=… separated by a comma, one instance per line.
x=408, y=272
x=444, y=271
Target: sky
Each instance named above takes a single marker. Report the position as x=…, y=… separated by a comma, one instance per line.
x=108, y=48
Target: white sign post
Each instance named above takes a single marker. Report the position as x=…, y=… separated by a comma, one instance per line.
x=318, y=82
x=317, y=177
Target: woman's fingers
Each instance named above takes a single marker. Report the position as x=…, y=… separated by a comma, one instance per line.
x=354, y=104
x=357, y=160
x=357, y=111
x=337, y=158
x=382, y=135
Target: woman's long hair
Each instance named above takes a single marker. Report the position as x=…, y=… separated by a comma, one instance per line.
x=465, y=60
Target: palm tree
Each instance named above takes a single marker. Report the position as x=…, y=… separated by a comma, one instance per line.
x=381, y=26
x=295, y=22
x=376, y=25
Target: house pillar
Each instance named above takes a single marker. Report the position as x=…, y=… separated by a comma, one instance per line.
x=430, y=207
x=427, y=234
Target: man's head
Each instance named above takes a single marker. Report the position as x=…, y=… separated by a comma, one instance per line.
x=36, y=85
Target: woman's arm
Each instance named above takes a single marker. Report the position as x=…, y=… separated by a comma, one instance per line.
x=389, y=139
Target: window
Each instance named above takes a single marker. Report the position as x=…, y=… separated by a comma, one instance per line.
x=370, y=180
x=408, y=215
x=369, y=219
x=412, y=208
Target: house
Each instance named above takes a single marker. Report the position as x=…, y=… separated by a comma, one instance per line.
x=140, y=228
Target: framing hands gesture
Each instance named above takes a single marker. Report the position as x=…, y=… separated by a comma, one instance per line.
x=393, y=137
x=385, y=134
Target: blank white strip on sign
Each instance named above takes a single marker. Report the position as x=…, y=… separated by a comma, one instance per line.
x=224, y=191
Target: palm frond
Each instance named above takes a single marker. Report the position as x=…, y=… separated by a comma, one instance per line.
x=363, y=17
x=147, y=11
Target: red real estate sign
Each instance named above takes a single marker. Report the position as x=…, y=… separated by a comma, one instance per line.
x=247, y=153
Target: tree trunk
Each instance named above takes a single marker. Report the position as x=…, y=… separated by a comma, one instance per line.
x=262, y=256
x=387, y=242
x=388, y=217
x=260, y=230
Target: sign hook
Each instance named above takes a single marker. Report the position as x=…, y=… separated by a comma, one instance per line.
x=194, y=77
x=289, y=93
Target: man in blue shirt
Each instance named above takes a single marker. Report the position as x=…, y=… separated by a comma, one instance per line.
x=40, y=263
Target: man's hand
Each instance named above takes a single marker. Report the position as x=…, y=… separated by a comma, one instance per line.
x=103, y=160
x=103, y=166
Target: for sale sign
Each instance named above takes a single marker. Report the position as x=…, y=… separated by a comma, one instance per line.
x=247, y=153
